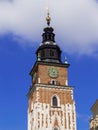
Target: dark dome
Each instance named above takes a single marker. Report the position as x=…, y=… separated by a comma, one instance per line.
x=49, y=53
x=48, y=34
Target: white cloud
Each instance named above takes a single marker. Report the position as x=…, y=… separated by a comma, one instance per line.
x=75, y=22
x=83, y=117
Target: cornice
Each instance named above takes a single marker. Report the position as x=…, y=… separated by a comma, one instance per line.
x=48, y=64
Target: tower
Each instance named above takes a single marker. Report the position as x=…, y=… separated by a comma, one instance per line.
x=50, y=99
x=94, y=118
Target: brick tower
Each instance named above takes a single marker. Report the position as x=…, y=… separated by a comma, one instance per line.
x=50, y=99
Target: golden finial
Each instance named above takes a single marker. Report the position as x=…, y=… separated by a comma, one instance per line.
x=48, y=19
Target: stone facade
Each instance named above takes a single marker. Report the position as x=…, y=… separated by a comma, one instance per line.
x=94, y=119
x=43, y=113
x=42, y=76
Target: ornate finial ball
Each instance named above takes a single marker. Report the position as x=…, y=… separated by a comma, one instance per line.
x=48, y=19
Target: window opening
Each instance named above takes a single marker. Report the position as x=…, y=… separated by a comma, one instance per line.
x=51, y=53
x=53, y=82
x=50, y=36
x=43, y=53
x=54, y=101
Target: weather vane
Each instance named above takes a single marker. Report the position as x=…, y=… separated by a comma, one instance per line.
x=48, y=19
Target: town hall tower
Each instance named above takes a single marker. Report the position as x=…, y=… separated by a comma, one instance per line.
x=51, y=105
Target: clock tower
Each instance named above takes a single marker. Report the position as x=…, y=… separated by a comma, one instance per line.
x=51, y=105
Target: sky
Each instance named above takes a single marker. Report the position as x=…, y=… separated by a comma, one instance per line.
x=75, y=24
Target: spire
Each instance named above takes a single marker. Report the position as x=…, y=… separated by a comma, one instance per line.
x=48, y=35
x=48, y=50
x=48, y=18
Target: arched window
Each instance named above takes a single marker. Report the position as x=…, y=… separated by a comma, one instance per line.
x=51, y=53
x=43, y=53
x=53, y=82
x=54, y=101
x=50, y=36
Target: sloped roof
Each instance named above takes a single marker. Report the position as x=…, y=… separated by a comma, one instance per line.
x=94, y=105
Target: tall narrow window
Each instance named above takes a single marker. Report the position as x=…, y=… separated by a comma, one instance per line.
x=43, y=53
x=54, y=101
x=50, y=36
x=51, y=53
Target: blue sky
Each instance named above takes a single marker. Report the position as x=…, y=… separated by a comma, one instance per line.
x=21, y=27
x=15, y=66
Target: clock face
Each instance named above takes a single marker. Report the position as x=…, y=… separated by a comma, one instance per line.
x=53, y=72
